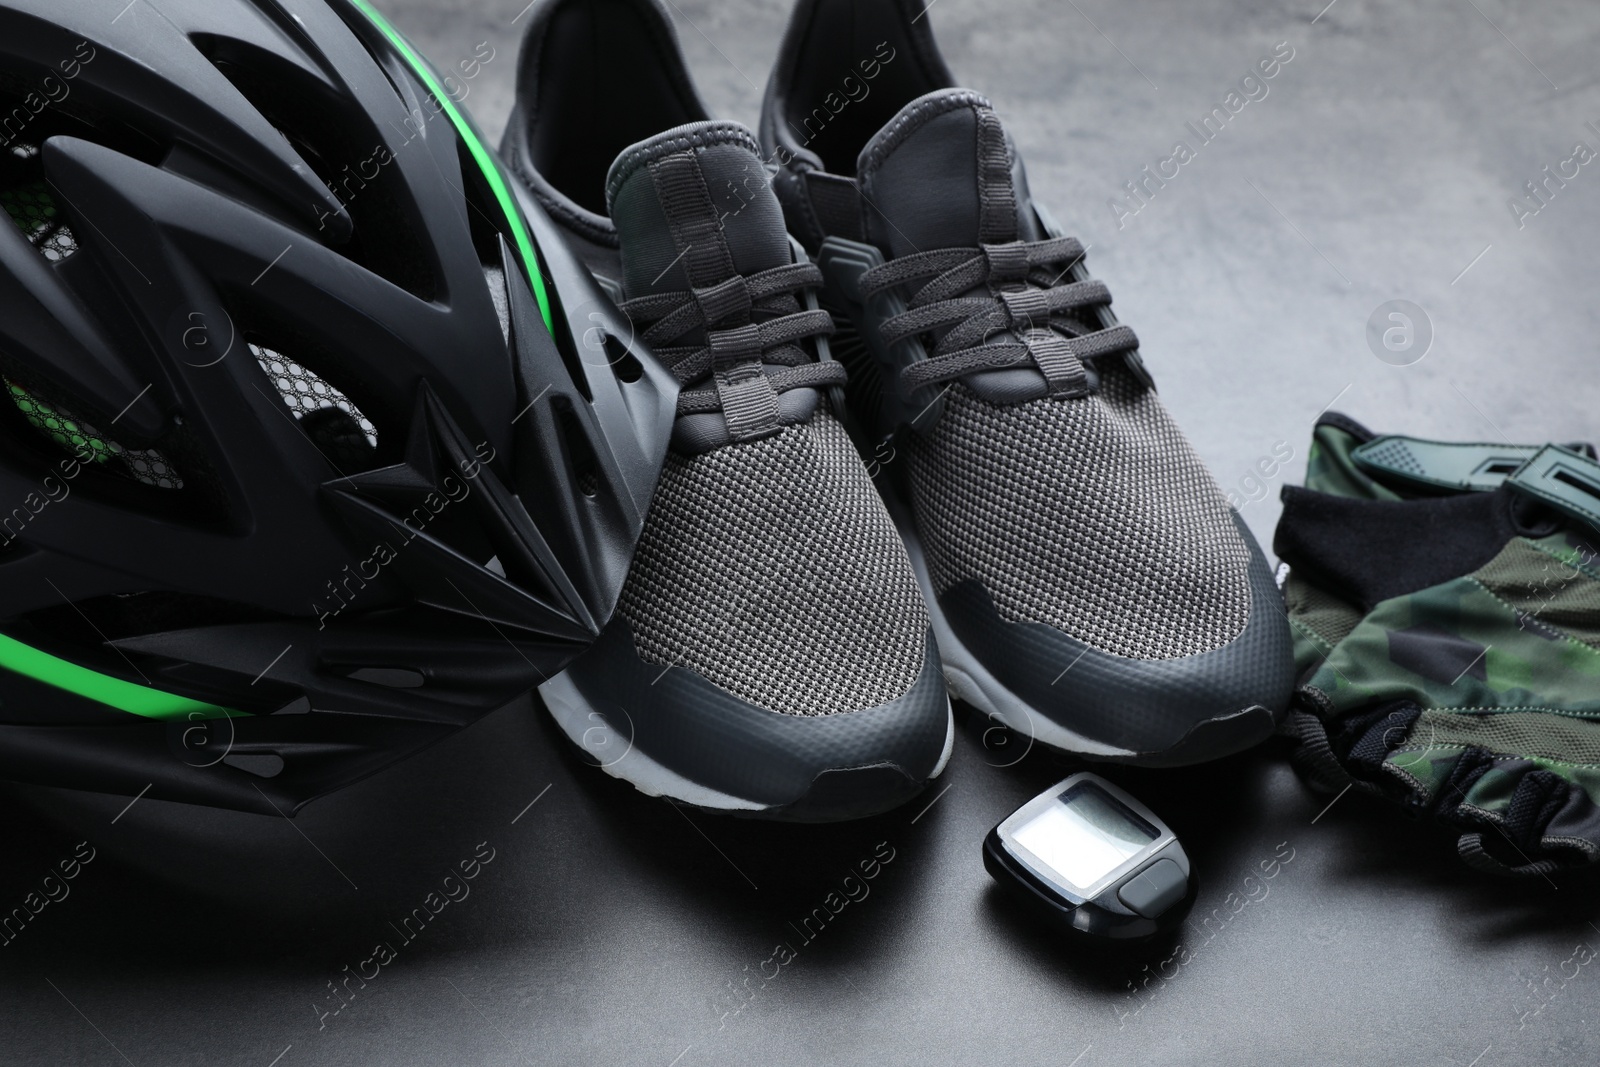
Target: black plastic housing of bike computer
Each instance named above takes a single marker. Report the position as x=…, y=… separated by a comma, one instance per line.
x=1093, y=861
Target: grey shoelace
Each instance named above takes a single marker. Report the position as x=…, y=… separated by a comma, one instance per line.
x=1028, y=314
x=744, y=324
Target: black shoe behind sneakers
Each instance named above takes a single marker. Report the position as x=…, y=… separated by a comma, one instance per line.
x=1088, y=583
x=771, y=653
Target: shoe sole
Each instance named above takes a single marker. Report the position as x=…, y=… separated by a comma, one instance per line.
x=969, y=681
x=835, y=795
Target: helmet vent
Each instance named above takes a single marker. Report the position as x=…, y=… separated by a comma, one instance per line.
x=581, y=458
x=337, y=142
x=34, y=211
x=496, y=277
x=624, y=363
x=77, y=438
x=329, y=417
x=393, y=677
x=262, y=765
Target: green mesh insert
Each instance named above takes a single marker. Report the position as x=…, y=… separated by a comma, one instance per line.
x=34, y=211
x=1319, y=611
x=1532, y=735
x=1538, y=584
x=89, y=445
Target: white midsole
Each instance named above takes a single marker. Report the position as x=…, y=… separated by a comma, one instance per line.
x=588, y=728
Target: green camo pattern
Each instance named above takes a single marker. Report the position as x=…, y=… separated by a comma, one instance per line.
x=1466, y=646
x=1319, y=619
x=1503, y=662
x=1329, y=468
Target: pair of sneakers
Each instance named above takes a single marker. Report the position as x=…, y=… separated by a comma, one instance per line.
x=914, y=453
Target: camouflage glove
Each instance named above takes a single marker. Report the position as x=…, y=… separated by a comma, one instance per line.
x=1445, y=603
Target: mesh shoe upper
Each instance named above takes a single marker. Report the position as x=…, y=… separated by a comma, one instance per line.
x=769, y=564
x=1092, y=515
x=772, y=569
x=1056, y=514
x=1053, y=475
x=772, y=654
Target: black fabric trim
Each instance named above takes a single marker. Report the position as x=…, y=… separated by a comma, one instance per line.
x=1364, y=741
x=1371, y=550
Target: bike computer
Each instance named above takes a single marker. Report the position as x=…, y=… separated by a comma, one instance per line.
x=1096, y=860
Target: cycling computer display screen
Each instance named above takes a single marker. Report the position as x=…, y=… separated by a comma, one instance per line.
x=1085, y=835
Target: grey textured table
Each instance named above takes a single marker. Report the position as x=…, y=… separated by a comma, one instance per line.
x=607, y=928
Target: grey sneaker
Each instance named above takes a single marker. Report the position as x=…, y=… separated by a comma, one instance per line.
x=771, y=653
x=1089, y=584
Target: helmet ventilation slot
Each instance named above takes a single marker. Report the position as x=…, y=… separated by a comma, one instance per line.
x=337, y=143
x=30, y=204
x=262, y=765
x=331, y=419
x=579, y=452
x=392, y=677
x=34, y=211
x=79, y=439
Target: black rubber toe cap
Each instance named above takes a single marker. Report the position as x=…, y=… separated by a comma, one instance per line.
x=800, y=767
x=1160, y=711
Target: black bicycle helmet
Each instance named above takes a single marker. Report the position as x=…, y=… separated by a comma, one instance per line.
x=313, y=446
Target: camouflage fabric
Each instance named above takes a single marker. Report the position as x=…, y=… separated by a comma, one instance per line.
x=1475, y=701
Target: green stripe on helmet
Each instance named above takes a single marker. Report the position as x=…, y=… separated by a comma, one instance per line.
x=480, y=152
x=102, y=688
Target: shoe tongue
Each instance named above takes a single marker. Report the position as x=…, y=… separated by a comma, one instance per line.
x=693, y=207
x=940, y=175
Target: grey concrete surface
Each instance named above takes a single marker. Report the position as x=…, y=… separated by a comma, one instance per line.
x=613, y=929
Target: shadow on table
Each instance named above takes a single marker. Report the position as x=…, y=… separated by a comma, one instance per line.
x=191, y=885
